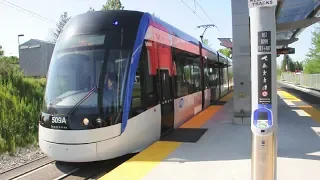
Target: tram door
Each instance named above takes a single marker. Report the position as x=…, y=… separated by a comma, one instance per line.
x=166, y=95
x=167, y=102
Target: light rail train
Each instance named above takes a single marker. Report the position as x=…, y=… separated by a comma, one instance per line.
x=119, y=80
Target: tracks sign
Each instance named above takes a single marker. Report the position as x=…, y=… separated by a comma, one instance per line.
x=261, y=3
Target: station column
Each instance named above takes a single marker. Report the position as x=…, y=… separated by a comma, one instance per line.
x=241, y=62
x=263, y=89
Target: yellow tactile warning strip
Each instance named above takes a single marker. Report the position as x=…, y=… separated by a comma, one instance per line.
x=227, y=97
x=138, y=166
x=314, y=113
x=141, y=164
x=287, y=96
x=202, y=117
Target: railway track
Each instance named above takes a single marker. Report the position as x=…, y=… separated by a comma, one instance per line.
x=25, y=168
x=46, y=169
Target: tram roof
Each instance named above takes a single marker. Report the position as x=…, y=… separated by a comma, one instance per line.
x=180, y=34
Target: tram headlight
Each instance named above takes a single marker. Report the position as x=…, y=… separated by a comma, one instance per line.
x=85, y=121
x=43, y=118
x=99, y=121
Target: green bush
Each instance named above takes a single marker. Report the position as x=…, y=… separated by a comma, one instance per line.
x=20, y=105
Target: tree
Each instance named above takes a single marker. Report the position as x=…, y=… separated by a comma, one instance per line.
x=206, y=42
x=279, y=71
x=287, y=64
x=226, y=52
x=91, y=9
x=153, y=14
x=284, y=63
x=10, y=59
x=112, y=5
x=64, y=18
x=312, y=62
x=301, y=66
x=298, y=66
x=1, y=51
x=312, y=66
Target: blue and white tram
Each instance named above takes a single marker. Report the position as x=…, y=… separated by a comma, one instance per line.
x=118, y=80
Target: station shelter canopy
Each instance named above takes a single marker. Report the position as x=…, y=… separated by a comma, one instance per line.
x=292, y=17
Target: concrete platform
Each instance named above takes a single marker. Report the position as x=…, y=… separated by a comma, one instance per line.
x=223, y=152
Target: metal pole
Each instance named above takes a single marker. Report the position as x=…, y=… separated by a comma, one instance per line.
x=20, y=35
x=18, y=47
x=264, y=89
x=206, y=27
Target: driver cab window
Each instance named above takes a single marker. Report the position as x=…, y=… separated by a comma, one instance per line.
x=144, y=91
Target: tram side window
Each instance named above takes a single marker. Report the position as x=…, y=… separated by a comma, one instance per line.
x=217, y=75
x=187, y=70
x=206, y=74
x=212, y=74
x=221, y=75
x=196, y=74
x=182, y=86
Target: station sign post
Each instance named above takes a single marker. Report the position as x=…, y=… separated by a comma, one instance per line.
x=263, y=88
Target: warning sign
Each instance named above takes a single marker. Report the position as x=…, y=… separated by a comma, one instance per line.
x=261, y=3
x=264, y=93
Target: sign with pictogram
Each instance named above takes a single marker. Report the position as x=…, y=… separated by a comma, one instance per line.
x=264, y=78
x=264, y=93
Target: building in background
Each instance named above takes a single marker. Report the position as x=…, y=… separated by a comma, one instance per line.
x=35, y=56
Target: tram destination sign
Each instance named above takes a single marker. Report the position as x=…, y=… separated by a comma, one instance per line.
x=261, y=3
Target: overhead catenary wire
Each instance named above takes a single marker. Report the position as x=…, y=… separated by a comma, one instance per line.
x=17, y=7
x=203, y=10
x=207, y=15
x=192, y=10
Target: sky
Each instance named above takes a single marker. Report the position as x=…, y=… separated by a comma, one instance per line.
x=175, y=12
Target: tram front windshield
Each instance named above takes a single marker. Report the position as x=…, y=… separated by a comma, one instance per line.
x=79, y=65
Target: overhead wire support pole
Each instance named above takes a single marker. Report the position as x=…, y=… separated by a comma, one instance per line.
x=206, y=27
x=264, y=119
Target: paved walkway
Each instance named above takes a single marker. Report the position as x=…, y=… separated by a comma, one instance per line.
x=224, y=151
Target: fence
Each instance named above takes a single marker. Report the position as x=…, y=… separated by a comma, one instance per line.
x=310, y=80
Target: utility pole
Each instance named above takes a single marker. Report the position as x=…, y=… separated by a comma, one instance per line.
x=20, y=35
x=264, y=122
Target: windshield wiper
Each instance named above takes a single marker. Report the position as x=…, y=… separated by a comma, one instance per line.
x=82, y=100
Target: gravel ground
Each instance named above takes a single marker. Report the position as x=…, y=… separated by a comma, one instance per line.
x=22, y=156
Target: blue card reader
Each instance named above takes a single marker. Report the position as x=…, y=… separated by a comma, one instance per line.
x=262, y=118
